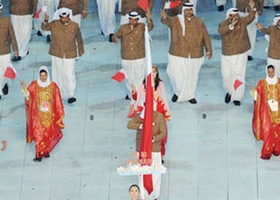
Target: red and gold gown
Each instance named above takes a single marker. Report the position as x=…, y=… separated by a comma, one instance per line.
x=266, y=123
x=44, y=114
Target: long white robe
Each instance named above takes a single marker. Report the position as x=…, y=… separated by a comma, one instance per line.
x=107, y=17
x=183, y=75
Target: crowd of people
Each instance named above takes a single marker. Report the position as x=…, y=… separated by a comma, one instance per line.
x=189, y=42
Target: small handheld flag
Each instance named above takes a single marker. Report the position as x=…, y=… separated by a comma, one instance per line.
x=143, y=4
x=173, y=4
x=10, y=73
x=119, y=76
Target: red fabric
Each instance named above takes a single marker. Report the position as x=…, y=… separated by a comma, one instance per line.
x=172, y=4
x=266, y=124
x=143, y=4
x=10, y=73
x=37, y=15
x=119, y=76
x=237, y=83
x=44, y=127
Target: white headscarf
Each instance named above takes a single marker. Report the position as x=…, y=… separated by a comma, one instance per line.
x=270, y=81
x=62, y=11
x=231, y=11
x=48, y=81
x=276, y=19
x=181, y=17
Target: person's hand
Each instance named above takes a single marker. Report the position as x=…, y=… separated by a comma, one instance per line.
x=148, y=14
x=259, y=26
x=251, y=3
x=16, y=54
x=209, y=55
x=84, y=14
x=133, y=90
x=23, y=85
x=47, y=17
x=252, y=88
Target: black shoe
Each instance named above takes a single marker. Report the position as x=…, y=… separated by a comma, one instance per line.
x=47, y=156
x=193, y=101
x=27, y=53
x=5, y=89
x=162, y=161
x=111, y=37
x=237, y=103
x=277, y=7
x=221, y=8
x=250, y=58
x=49, y=38
x=227, y=98
x=16, y=59
x=127, y=97
x=0, y=97
x=265, y=7
x=174, y=98
x=39, y=33
x=72, y=100
x=37, y=159
x=102, y=33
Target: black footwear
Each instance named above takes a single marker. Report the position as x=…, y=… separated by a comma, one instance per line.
x=162, y=161
x=174, y=98
x=39, y=33
x=237, y=103
x=47, y=156
x=27, y=53
x=193, y=101
x=71, y=100
x=265, y=7
x=16, y=58
x=277, y=7
x=227, y=98
x=221, y=8
x=5, y=89
x=127, y=97
x=111, y=37
x=250, y=58
x=49, y=38
x=37, y=159
x=102, y=33
x=0, y=97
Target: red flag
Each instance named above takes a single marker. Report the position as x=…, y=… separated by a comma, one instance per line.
x=171, y=4
x=143, y=4
x=36, y=16
x=238, y=81
x=119, y=76
x=146, y=140
x=10, y=73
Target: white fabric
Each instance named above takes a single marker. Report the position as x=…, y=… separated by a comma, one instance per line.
x=183, y=74
x=107, y=17
x=63, y=73
x=232, y=67
x=135, y=70
x=252, y=31
x=231, y=11
x=22, y=26
x=56, y=15
x=276, y=64
x=48, y=81
x=77, y=18
x=125, y=20
x=5, y=61
x=271, y=2
x=50, y=11
x=156, y=157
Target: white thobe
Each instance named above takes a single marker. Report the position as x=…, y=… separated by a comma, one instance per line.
x=233, y=67
x=135, y=71
x=22, y=26
x=183, y=75
x=63, y=73
x=107, y=17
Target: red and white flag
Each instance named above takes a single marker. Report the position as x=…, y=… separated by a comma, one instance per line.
x=144, y=4
x=10, y=73
x=172, y=4
x=146, y=140
x=238, y=81
x=119, y=76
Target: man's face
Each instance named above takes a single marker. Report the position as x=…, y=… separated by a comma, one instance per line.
x=64, y=20
x=133, y=21
x=188, y=12
x=278, y=23
x=234, y=16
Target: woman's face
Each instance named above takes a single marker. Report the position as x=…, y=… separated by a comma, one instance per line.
x=134, y=193
x=43, y=76
x=154, y=72
x=270, y=72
